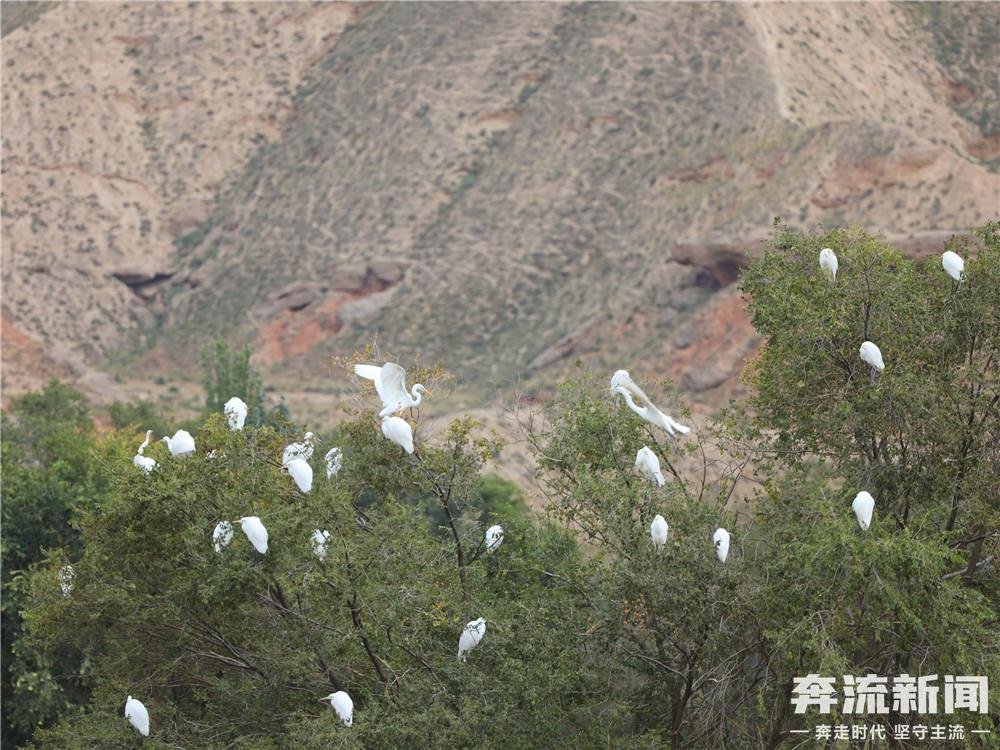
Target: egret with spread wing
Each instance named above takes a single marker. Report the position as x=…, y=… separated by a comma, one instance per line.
x=623, y=384
x=390, y=383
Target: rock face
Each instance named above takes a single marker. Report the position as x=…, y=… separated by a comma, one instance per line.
x=562, y=181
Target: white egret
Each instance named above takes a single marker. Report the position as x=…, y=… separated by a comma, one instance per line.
x=136, y=713
x=863, y=507
x=658, y=530
x=66, y=575
x=334, y=460
x=145, y=463
x=494, y=537
x=342, y=705
x=255, y=532
x=390, y=383
x=303, y=450
x=721, y=541
x=828, y=262
x=398, y=430
x=181, y=444
x=953, y=264
x=647, y=463
x=622, y=383
x=222, y=535
x=470, y=638
x=872, y=355
x=300, y=470
x=235, y=410
x=319, y=540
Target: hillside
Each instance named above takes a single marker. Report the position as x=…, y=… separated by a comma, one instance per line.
x=504, y=188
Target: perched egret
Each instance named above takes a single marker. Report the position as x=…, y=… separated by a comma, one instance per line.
x=300, y=470
x=319, y=540
x=863, y=507
x=647, y=462
x=658, y=531
x=828, y=262
x=872, y=355
x=622, y=383
x=953, y=264
x=390, y=383
x=136, y=713
x=222, y=535
x=66, y=575
x=342, y=705
x=494, y=537
x=303, y=450
x=144, y=462
x=181, y=444
x=334, y=460
x=255, y=532
x=398, y=430
x=471, y=636
x=721, y=540
x=235, y=410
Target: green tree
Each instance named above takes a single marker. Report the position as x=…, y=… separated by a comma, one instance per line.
x=227, y=373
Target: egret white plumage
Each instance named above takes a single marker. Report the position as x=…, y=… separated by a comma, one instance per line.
x=953, y=264
x=658, y=530
x=470, y=638
x=647, y=463
x=872, y=356
x=235, y=410
x=66, y=575
x=334, y=460
x=622, y=383
x=390, y=384
x=494, y=537
x=721, y=541
x=255, y=532
x=319, y=540
x=181, y=444
x=222, y=535
x=145, y=463
x=300, y=470
x=303, y=450
x=137, y=714
x=863, y=507
x=342, y=705
x=398, y=430
x=828, y=262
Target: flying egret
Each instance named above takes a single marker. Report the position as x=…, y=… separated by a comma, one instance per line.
x=181, y=444
x=334, y=460
x=494, y=537
x=658, y=531
x=828, y=262
x=863, y=507
x=303, y=450
x=398, y=430
x=872, y=355
x=136, y=713
x=222, y=535
x=342, y=705
x=470, y=638
x=622, y=383
x=647, y=462
x=145, y=463
x=66, y=575
x=721, y=540
x=390, y=383
x=255, y=532
x=953, y=264
x=235, y=410
x=319, y=540
x=300, y=470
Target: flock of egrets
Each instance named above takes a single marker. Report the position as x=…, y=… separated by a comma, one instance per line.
x=390, y=384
